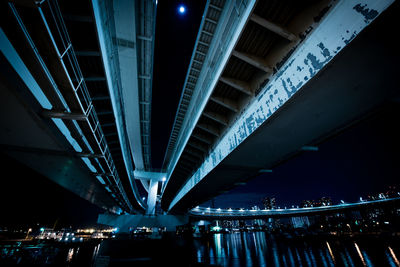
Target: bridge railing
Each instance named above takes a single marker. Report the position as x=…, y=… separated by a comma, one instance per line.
x=53, y=21
x=231, y=16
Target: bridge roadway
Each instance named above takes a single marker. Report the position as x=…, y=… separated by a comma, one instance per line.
x=241, y=214
x=272, y=85
x=75, y=92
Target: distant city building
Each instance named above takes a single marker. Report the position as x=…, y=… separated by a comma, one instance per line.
x=300, y=222
x=269, y=203
x=325, y=201
x=307, y=203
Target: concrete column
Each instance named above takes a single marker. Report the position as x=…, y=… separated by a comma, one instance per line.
x=152, y=197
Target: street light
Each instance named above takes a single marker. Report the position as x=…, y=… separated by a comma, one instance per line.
x=27, y=234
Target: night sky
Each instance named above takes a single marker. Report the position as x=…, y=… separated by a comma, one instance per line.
x=175, y=38
x=363, y=159
x=359, y=161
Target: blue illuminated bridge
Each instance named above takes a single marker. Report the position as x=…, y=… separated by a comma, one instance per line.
x=247, y=214
x=266, y=81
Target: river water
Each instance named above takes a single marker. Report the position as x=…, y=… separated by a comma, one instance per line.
x=261, y=249
x=233, y=249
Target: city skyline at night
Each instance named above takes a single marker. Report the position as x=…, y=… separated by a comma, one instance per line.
x=199, y=133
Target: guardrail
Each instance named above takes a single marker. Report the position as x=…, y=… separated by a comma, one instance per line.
x=86, y=115
x=52, y=18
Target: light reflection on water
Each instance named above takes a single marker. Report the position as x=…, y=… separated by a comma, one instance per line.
x=394, y=257
x=261, y=249
x=70, y=254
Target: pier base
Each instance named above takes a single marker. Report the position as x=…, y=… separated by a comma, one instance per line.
x=124, y=222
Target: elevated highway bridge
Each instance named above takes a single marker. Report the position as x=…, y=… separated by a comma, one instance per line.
x=242, y=214
x=76, y=93
x=274, y=79
x=266, y=81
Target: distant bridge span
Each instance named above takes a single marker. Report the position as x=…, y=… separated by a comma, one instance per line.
x=231, y=214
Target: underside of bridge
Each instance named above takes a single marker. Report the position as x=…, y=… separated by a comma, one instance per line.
x=290, y=81
x=259, y=52
x=266, y=81
x=71, y=109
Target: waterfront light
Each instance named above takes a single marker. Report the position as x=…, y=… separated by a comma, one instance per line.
x=216, y=228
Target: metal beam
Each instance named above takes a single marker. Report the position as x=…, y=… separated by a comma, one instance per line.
x=185, y=167
x=229, y=104
x=146, y=175
x=253, y=60
x=202, y=138
x=211, y=20
x=203, y=43
x=200, y=53
x=208, y=128
x=237, y=84
x=216, y=7
x=63, y=115
x=37, y=150
x=197, y=146
x=145, y=38
x=194, y=152
x=207, y=32
x=273, y=27
x=216, y=117
x=190, y=158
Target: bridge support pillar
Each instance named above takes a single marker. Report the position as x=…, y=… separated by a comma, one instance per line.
x=124, y=222
x=152, y=197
